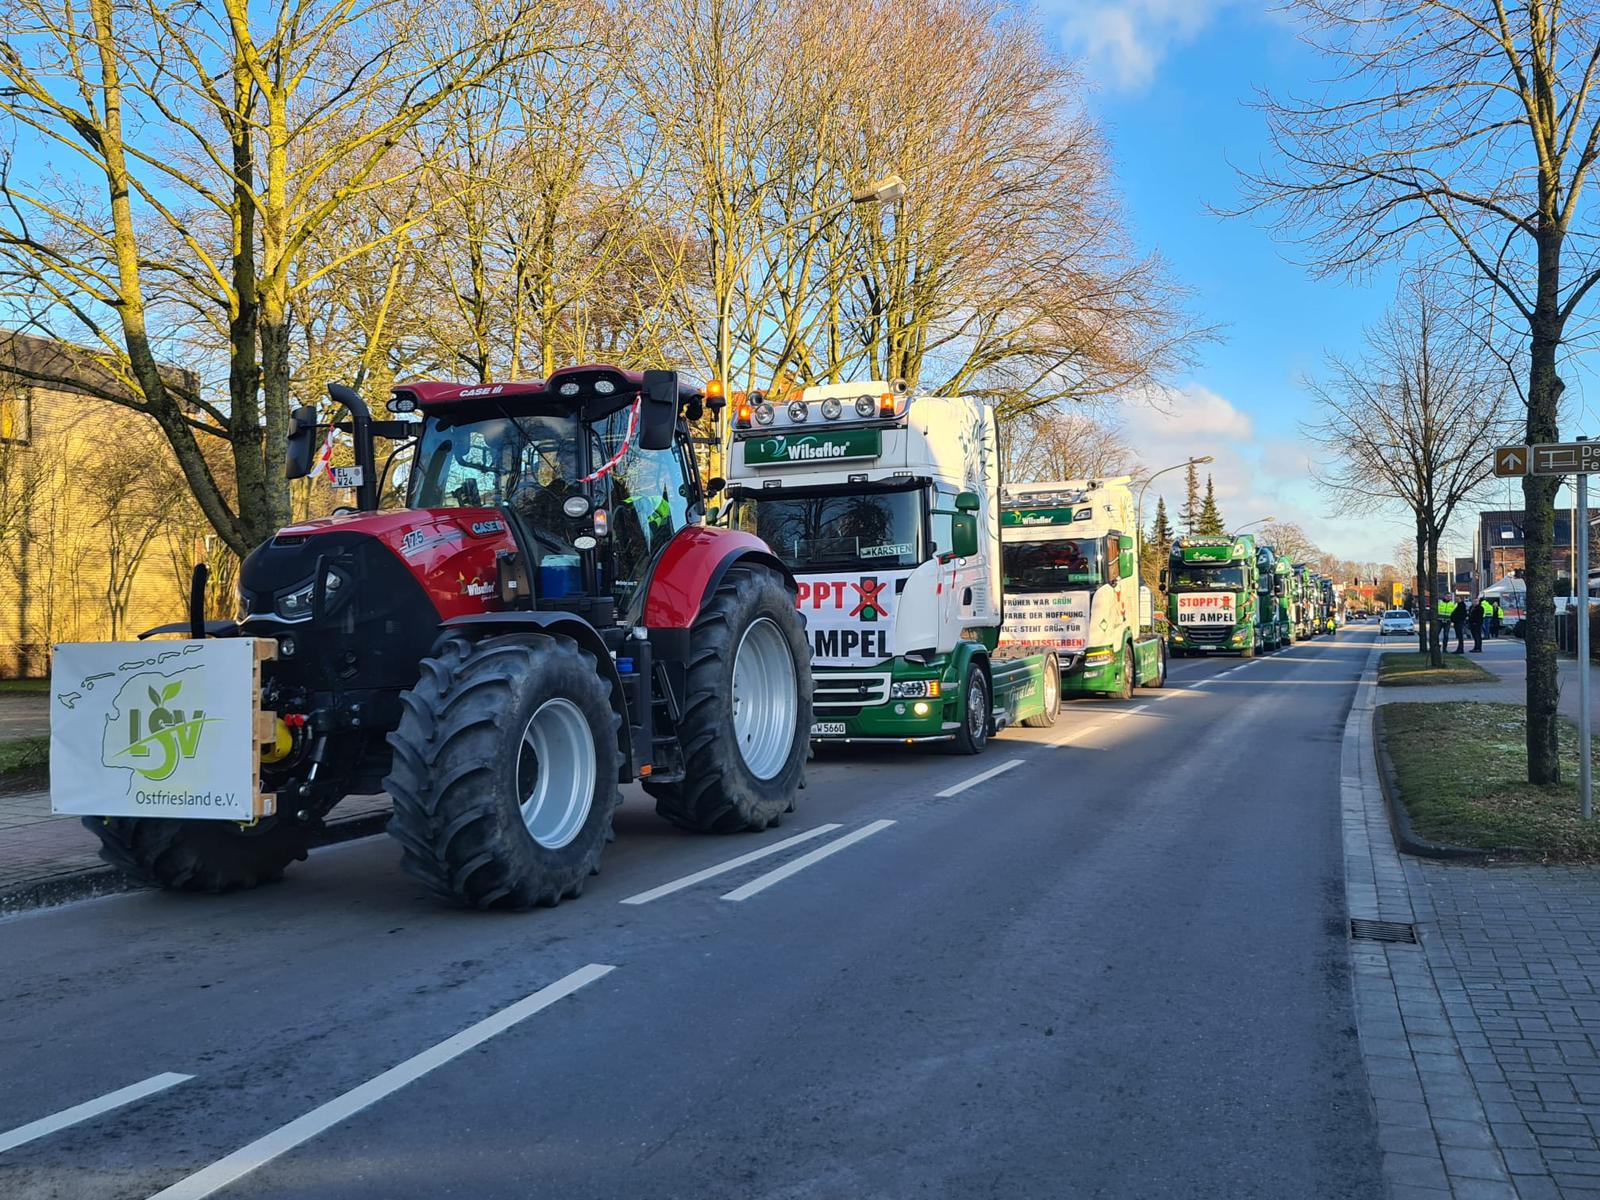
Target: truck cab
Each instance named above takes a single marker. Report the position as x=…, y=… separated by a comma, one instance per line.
x=1071, y=551
x=884, y=503
x=1213, y=593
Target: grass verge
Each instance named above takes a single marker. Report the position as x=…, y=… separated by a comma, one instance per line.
x=15, y=686
x=1462, y=775
x=24, y=756
x=1411, y=669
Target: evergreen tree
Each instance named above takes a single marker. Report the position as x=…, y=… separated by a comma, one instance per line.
x=1189, y=514
x=1210, y=522
x=1157, y=545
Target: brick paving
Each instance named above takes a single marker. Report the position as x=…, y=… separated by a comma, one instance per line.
x=1482, y=1045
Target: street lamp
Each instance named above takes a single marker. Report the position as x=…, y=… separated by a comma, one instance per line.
x=1138, y=504
x=1252, y=525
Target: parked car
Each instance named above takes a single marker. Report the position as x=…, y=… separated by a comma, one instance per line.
x=1397, y=620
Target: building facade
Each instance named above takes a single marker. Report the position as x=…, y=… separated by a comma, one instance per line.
x=1500, y=549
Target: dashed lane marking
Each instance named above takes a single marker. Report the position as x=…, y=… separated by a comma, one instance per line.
x=45, y=1126
x=955, y=789
x=677, y=885
x=762, y=882
x=258, y=1153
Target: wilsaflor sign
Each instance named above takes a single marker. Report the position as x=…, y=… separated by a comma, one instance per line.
x=155, y=729
x=794, y=449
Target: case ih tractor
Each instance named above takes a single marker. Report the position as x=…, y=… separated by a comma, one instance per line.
x=545, y=619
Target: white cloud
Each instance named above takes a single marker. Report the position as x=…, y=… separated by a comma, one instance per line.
x=1124, y=41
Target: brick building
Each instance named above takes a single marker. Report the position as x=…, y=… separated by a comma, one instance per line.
x=97, y=530
x=1499, y=549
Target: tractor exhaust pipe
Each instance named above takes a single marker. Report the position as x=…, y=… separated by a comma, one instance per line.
x=197, y=600
x=302, y=439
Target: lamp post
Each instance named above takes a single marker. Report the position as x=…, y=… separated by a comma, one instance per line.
x=1252, y=525
x=1138, y=504
x=888, y=190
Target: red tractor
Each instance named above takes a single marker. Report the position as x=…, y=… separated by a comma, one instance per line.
x=548, y=617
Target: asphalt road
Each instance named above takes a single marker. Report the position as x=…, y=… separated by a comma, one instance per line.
x=1115, y=968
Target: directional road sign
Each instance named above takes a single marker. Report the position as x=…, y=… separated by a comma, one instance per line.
x=1510, y=460
x=1563, y=458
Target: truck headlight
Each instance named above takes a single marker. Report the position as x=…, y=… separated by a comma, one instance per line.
x=914, y=689
x=1098, y=658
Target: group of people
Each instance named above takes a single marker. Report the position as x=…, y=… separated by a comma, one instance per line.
x=1477, y=615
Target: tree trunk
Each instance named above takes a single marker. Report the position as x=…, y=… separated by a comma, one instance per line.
x=1539, y=497
x=1424, y=613
x=1436, y=647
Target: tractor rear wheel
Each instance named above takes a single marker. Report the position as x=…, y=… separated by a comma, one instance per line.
x=746, y=722
x=200, y=856
x=505, y=770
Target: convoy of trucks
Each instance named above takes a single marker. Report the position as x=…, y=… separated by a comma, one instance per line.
x=559, y=605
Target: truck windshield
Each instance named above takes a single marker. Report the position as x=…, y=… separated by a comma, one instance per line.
x=880, y=529
x=478, y=464
x=1199, y=576
x=1052, y=566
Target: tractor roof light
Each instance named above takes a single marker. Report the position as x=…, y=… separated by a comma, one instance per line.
x=742, y=416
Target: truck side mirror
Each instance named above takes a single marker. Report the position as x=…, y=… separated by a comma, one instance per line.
x=1126, y=565
x=967, y=502
x=1277, y=586
x=658, y=410
x=302, y=433
x=1162, y=579
x=964, y=532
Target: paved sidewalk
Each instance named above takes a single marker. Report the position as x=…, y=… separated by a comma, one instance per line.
x=1483, y=1043
x=24, y=714
x=1506, y=658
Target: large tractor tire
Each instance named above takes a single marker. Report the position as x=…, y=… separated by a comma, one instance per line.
x=200, y=856
x=1052, y=696
x=505, y=770
x=746, y=723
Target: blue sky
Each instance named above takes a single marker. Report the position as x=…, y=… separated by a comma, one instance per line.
x=1173, y=80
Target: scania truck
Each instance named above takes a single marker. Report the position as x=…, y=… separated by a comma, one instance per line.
x=1212, y=593
x=884, y=503
x=1071, y=552
x=1269, y=607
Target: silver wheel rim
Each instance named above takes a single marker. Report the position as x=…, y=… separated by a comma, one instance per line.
x=1052, y=690
x=764, y=700
x=977, y=703
x=556, y=773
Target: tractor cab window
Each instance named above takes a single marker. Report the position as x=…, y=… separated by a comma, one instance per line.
x=482, y=463
x=648, y=501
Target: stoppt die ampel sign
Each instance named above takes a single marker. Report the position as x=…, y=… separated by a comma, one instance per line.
x=154, y=729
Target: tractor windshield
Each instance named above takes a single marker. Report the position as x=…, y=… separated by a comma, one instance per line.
x=484, y=462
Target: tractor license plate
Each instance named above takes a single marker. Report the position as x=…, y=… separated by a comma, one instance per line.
x=827, y=729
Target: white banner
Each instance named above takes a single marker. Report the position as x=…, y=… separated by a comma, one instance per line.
x=1056, y=621
x=1205, y=608
x=154, y=729
x=850, y=616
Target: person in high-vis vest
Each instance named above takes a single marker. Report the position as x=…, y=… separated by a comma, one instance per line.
x=1442, y=608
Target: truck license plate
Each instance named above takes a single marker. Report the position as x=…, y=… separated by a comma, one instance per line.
x=827, y=729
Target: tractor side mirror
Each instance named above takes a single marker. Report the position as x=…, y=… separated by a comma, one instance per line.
x=658, y=412
x=714, y=485
x=302, y=435
x=964, y=532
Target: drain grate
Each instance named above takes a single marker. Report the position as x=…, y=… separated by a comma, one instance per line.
x=1383, y=931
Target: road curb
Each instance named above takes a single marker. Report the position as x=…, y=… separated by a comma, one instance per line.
x=1405, y=836
x=50, y=891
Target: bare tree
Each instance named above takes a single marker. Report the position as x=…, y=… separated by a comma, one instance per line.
x=213, y=142
x=1288, y=541
x=1413, y=420
x=1468, y=128
x=1064, y=443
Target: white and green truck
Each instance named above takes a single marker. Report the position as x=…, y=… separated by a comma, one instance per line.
x=1070, y=551
x=885, y=504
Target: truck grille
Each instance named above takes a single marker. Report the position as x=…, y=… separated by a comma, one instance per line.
x=840, y=695
x=1212, y=635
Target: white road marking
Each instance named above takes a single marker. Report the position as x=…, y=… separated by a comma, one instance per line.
x=1140, y=708
x=955, y=789
x=45, y=1126
x=677, y=885
x=762, y=882
x=258, y=1153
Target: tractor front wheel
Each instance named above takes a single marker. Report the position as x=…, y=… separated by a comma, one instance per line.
x=200, y=856
x=746, y=721
x=504, y=776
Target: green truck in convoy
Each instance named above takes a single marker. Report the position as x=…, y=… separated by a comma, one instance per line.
x=885, y=504
x=1304, y=592
x=1212, y=595
x=1070, y=552
x=1270, y=612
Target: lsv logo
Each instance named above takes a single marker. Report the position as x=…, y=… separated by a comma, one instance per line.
x=166, y=735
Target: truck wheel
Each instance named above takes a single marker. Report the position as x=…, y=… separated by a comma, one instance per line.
x=1161, y=668
x=973, y=736
x=504, y=775
x=1125, y=666
x=200, y=856
x=746, y=725
x=1052, y=695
